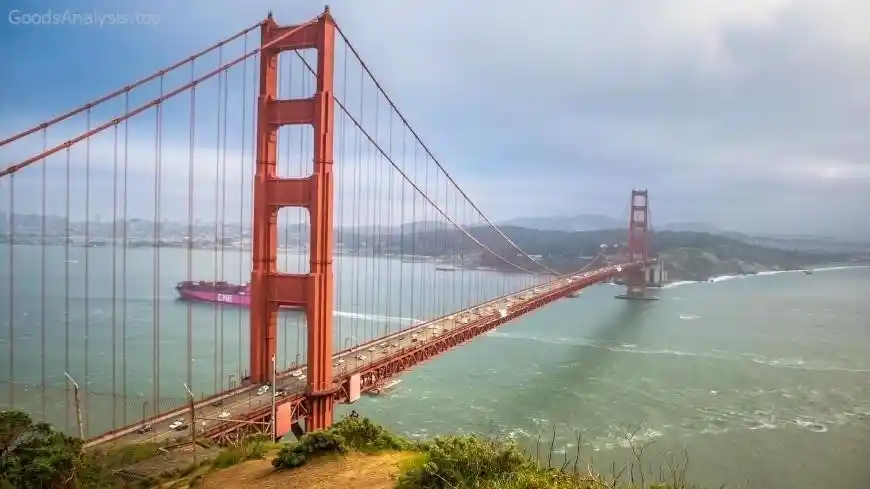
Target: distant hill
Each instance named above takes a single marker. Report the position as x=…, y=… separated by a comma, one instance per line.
x=582, y=222
x=594, y=222
x=690, y=227
x=687, y=255
x=597, y=222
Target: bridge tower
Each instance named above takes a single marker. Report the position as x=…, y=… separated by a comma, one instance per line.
x=637, y=248
x=269, y=288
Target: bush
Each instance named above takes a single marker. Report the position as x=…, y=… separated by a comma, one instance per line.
x=35, y=455
x=459, y=462
x=250, y=449
x=362, y=435
x=454, y=461
x=316, y=443
x=346, y=435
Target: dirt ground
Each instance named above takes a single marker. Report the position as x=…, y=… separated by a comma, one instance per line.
x=350, y=472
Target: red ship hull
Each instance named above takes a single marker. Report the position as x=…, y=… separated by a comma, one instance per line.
x=234, y=299
x=216, y=293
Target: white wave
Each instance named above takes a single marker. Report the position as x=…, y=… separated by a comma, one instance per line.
x=377, y=318
x=811, y=425
x=679, y=284
x=793, y=363
x=767, y=273
x=689, y=317
x=844, y=267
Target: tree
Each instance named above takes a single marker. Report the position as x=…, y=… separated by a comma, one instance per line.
x=35, y=454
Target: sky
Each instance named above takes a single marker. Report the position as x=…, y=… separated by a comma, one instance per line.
x=751, y=116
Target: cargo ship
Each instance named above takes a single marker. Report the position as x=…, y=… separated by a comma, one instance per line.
x=219, y=292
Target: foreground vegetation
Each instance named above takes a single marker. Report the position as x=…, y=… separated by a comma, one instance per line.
x=35, y=455
x=469, y=462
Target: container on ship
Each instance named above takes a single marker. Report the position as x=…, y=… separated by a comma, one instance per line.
x=217, y=292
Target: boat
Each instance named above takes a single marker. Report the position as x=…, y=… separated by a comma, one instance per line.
x=219, y=292
x=382, y=389
x=574, y=295
x=808, y=272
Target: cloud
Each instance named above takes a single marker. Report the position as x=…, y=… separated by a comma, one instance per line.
x=747, y=115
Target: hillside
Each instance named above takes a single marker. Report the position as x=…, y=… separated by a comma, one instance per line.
x=352, y=453
x=687, y=255
x=582, y=222
x=594, y=222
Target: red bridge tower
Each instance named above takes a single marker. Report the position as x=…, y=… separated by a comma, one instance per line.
x=638, y=247
x=269, y=288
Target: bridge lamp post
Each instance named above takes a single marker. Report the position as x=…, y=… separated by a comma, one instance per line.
x=78, y=405
x=274, y=394
x=192, y=420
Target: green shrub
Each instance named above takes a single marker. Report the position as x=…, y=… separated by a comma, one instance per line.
x=250, y=449
x=464, y=462
x=348, y=434
x=316, y=443
x=35, y=454
x=363, y=435
x=452, y=461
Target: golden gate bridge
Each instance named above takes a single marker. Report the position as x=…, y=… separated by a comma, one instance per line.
x=290, y=146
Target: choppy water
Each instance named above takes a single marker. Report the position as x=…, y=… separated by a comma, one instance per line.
x=763, y=379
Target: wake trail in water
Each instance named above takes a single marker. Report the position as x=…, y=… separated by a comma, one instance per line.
x=769, y=273
x=790, y=363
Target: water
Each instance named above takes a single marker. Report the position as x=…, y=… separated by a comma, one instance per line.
x=762, y=379
x=87, y=313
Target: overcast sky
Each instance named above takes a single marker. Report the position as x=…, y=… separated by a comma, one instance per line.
x=752, y=116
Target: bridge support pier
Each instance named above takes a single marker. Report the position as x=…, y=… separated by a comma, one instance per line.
x=321, y=407
x=638, y=248
x=271, y=289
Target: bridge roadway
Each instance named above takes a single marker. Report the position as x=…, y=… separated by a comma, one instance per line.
x=237, y=403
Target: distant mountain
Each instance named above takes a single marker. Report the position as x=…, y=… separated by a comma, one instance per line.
x=582, y=222
x=594, y=222
x=687, y=255
x=597, y=222
x=690, y=227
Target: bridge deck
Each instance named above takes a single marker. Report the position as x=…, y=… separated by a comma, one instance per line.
x=240, y=403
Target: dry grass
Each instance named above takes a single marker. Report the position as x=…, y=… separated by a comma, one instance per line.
x=355, y=453
x=356, y=470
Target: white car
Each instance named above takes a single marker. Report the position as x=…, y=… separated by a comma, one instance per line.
x=262, y=390
x=224, y=415
x=175, y=424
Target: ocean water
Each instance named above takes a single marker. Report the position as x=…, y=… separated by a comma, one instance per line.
x=764, y=381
